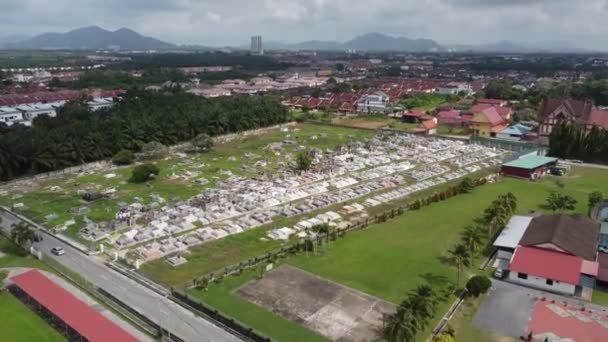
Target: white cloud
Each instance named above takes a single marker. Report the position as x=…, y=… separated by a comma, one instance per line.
x=286, y=9
x=231, y=22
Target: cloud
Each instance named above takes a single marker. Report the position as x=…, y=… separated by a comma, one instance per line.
x=231, y=22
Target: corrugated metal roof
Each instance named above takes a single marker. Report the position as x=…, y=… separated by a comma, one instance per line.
x=512, y=233
x=547, y=264
x=530, y=162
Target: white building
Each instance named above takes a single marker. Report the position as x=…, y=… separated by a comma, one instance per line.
x=100, y=103
x=34, y=110
x=9, y=115
x=257, y=47
x=373, y=103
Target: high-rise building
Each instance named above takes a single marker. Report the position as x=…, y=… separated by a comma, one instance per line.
x=256, y=45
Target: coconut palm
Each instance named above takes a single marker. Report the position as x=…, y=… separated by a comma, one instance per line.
x=461, y=258
x=472, y=238
x=400, y=326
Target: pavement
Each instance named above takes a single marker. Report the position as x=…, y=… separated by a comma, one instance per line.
x=161, y=310
x=509, y=308
x=506, y=311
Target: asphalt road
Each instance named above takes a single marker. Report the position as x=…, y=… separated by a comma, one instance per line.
x=169, y=315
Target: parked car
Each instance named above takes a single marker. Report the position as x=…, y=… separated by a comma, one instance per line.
x=499, y=273
x=58, y=251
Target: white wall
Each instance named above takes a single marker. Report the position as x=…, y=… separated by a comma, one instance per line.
x=540, y=283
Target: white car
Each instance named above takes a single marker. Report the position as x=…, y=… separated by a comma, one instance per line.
x=58, y=251
x=499, y=273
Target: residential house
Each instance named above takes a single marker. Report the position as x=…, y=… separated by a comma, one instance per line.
x=486, y=123
x=515, y=132
x=581, y=112
x=449, y=118
x=529, y=167
x=558, y=253
x=428, y=127
x=376, y=102
x=504, y=112
x=8, y=115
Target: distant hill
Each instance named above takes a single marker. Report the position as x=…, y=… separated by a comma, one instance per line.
x=366, y=42
x=92, y=38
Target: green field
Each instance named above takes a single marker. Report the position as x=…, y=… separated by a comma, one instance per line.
x=41, y=201
x=19, y=323
x=391, y=258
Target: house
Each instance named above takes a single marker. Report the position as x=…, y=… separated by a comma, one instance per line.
x=100, y=103
x=492, y=102
x=454, y=88
x=428, y=127
x=504, y=112
x=508, y=240
x=376, y=102
x=32, y=111
x=412, y=116
x=529, y=167
x=581, y=112
x=8, y=115
x=449, y=118
x=486, y=123
x=515, y=132
x=558, y=253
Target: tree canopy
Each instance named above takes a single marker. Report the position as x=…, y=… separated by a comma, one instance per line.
x=144, y=172
x=79, y=136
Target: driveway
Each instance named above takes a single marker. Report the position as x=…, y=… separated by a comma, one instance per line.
x=506, y=310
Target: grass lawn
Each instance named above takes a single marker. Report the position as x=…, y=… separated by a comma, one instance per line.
x=19, y=323
x=600, y=296
x=391, y=258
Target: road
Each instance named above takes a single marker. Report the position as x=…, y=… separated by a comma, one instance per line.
x=164, y=312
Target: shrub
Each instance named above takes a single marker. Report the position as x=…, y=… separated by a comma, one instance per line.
x=478, y=284
x=144, y=172
x=444, y=337
x=123, y=157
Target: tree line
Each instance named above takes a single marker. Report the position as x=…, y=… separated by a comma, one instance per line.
x=571, y=141
x=78, y=136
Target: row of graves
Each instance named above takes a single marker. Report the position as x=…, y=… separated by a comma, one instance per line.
x=351, y=172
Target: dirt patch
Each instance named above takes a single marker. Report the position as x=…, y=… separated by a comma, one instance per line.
x=332, y=310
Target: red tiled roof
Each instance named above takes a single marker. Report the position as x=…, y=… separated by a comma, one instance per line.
x=428, y=124
x=598, y=118
x=415, y=114
x=448, y=114
x=78, y=315
x=496, y=102
x=493, y=117
x=547, y=264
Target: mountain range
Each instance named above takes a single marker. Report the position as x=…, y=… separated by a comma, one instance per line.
x=94, y=37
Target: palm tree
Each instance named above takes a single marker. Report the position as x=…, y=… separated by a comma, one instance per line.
x=400, y=326
x=22, y=233
x=472, y=238
x=494, y=216
x=511, y=201
x=460, y=258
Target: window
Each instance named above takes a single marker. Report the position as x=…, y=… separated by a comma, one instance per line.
x=522, y=276
x=549, y=282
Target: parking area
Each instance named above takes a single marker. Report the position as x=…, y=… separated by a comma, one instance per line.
x=332, y=310
x=506, y=311
x=513, y=310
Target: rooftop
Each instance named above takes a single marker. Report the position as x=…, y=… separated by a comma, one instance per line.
x=513, y=232
x=530, y=162
x=78, y=315
x=547, y=264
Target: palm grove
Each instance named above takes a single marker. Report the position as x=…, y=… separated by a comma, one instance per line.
x=79, y=136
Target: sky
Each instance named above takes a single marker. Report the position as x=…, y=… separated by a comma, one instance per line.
x=577, y=23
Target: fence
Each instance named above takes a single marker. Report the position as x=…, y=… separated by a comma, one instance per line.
x=322, y=238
